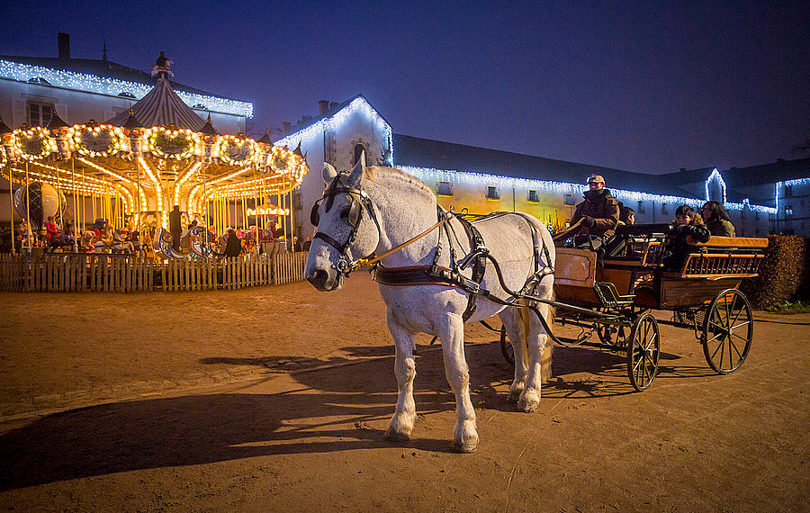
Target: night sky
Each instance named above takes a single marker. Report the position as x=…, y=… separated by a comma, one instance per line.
x=641, y=86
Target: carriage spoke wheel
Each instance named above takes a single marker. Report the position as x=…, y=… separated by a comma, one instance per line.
x=644, y=348
x=727, y=331
x=506, y=348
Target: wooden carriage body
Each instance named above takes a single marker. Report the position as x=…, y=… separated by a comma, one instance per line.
x=631, y=270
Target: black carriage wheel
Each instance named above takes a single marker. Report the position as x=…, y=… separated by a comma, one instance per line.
x=506, y=348
x=728, y=331
x=643, y=351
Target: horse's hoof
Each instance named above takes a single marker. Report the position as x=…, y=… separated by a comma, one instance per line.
x=465, y=447
x=396, y=436
x=529, y=401
x=514, y=397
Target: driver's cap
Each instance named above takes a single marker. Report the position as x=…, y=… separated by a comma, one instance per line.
x=594, y=178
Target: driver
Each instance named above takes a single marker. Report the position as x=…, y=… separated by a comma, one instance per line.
x=599, y=214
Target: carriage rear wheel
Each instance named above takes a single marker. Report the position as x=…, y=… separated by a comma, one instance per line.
x=643, y=351
x=506, y=348
x=727, y=331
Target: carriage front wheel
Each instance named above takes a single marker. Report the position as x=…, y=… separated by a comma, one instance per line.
x=643, y=351
x=727, y=331
x=507, y=350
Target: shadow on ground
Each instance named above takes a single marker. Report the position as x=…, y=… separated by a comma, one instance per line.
x=329, y=414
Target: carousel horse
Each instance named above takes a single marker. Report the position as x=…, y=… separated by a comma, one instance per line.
x=437, y=271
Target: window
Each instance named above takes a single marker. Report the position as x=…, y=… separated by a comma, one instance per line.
x=788, y=191
x=297, y=202
x=788, y=210
x=533, y=197
x=742, y=213
x=445, y=189
x=569, y=199
x=359, y=149
x=756, y=215
x=641, y=209
x=664, y=208
x=493, y=193
x=38, y=80
x=39, y=114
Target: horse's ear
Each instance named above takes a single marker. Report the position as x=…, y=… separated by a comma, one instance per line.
x=357, y=171
x=329, y=172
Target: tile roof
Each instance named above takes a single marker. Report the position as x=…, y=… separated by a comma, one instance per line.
x=418, y=152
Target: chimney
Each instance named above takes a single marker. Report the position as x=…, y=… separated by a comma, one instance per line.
x=323, y=107
x=333, y=105
x=64, y=46
x=285, y=127
x=683, y=169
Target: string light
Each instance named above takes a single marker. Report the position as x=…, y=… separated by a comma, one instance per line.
x=484, y=180
x=114, y=87
x=79, y=133
x=357, y=106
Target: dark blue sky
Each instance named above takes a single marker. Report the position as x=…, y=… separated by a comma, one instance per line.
x=642, y=86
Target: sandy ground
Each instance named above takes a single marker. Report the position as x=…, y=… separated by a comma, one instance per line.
x=276, y=399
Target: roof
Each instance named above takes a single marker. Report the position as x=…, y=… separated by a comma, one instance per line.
x=779, y=171
x=161, y=107
x=103, y=68
x=308, y=121
x=418, y=152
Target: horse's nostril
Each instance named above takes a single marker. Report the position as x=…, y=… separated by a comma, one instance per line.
x=317, y=277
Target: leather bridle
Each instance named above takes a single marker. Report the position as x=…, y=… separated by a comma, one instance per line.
x=359, y=201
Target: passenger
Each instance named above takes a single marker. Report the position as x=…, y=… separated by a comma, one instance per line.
x=599, y=214
x=628, y=216
x=687, y=230
x=717, y=219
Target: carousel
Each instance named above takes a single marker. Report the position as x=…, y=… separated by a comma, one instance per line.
x=131, y=171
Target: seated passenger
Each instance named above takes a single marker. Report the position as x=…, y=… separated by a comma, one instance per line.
x=688, y=229
x=717, y=219
x=628, y=216
x=599, y=214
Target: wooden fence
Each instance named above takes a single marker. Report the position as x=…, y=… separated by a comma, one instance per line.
x=79, y=272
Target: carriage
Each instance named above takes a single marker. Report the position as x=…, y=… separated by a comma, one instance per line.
x=611, y=293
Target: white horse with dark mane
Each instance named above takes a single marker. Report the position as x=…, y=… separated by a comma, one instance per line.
x=456, y=272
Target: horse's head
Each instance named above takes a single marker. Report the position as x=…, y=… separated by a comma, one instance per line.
x=346, y=228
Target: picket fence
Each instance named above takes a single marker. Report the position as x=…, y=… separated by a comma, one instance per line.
x=79, y=272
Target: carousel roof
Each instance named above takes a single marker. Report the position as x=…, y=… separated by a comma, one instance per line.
x=161, y=107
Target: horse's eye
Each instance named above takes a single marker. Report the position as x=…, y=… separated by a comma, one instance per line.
x=344, y=214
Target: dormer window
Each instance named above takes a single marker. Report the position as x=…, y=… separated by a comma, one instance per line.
x=445, y=189
x=200, y=106
x=38, y=80
x=126, y=94
x=493, y=193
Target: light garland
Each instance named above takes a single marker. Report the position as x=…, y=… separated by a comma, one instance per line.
x=22, y=139
x=114, y=87
x=78, y=133
x=160, y=136
x=246, y=150
x=505, y=182
x=268, y=211
x=715, y=176
x=358, y=105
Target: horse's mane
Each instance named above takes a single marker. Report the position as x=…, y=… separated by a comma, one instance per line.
x=378, y=174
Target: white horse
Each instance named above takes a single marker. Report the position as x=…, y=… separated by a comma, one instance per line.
x=376, y=210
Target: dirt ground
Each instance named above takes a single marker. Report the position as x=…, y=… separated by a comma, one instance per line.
x=277, y=398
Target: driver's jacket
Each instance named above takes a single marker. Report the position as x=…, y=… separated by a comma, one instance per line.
x=603, y=208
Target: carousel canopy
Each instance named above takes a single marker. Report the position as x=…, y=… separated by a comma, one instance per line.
x=162, y=107
x=157, y=154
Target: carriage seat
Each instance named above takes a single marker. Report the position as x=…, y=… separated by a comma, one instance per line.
x=610, y=297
